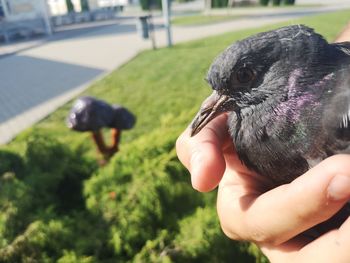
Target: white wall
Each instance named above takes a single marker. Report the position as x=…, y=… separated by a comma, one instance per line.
x=58, y=7
x=23, y=9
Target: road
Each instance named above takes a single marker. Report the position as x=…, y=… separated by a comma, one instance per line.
x=43, y=74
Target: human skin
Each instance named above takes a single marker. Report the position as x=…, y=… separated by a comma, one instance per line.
x=249, y=208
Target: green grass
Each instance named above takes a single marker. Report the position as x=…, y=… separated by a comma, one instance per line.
x=270, y=6
x=296, y=5
x=169, y=81
x=201, y=19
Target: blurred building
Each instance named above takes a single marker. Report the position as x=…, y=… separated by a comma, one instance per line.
x=24, y=9
x=58, y=7
x=27, y=18
x=14, y=10
x=23, y=19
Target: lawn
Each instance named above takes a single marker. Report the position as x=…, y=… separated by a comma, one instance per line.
x=201, y=19
x=59, y=206
x=217, y=16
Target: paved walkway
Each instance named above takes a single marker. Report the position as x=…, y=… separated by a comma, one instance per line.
x=344, y=35
x=35, y=80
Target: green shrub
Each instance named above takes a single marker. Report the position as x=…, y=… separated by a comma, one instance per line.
x=264, y=2
x=158, y=250
x=40, y=242
x=151, y=4
x=276, y=2
x=55, y=172
x=45, y=182
x=219, y=3
x=72, y=257
x=10, y=162
x=15, y=207
x=289, y=2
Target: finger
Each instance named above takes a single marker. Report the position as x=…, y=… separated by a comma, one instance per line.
x=202, y=154
x=286, y=252
x=331, y=247
x=288, y=210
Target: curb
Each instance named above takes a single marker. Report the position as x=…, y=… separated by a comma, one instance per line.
x=344, y=35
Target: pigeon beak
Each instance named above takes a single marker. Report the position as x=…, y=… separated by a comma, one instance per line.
x=212, y=107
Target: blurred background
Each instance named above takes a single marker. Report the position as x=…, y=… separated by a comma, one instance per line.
x=63, y=201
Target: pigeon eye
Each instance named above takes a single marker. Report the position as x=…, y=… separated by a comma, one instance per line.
x=244, y=75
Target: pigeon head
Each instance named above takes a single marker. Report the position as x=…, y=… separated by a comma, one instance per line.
x=260, y=68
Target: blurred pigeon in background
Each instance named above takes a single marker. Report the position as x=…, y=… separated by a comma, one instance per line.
x=91, y=114
x=287, y=93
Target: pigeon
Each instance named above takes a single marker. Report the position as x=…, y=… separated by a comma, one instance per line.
x=287, y=96
x=91, y=114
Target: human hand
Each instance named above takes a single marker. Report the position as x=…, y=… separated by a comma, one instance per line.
x=273, y=219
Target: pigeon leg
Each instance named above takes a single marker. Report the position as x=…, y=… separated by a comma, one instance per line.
x=115, y=133
x=99, y=141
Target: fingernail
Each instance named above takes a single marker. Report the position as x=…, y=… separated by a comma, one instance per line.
x=339, y=188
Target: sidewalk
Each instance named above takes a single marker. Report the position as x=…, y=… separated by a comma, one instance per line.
x=345, y=35
x=37, y=80
x=8, y=49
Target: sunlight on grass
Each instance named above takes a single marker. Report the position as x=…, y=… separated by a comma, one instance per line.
x=201, y=19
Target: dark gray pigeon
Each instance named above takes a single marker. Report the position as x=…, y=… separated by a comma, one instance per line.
x=91, y=114
x=287, y=93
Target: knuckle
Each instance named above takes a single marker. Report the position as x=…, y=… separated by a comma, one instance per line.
x=261, y=235
x=230, y=233
x=229, y=227
x=249, y=232
x=308, y=213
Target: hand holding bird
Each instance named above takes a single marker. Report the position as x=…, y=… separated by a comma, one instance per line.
x=276, y=219
x=280, y=106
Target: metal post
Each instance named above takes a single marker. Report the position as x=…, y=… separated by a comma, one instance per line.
x=6, y=14
x=166, y=16
x=46, y=17
x=4, y=8
x=151, y=31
